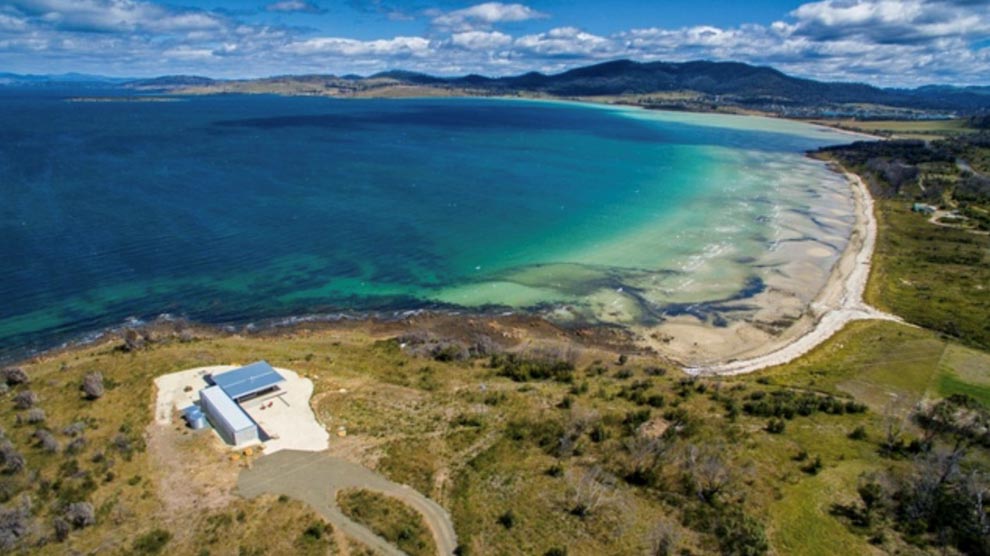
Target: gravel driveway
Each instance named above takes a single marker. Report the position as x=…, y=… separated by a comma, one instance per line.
x=316, y=477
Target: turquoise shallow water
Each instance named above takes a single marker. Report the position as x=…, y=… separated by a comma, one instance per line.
x=232, y=209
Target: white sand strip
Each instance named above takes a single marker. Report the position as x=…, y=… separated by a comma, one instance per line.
x=839, y=303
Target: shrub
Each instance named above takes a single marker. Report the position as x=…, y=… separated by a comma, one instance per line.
x=10, y=458
x=634, y=419
x=813, y=467
x=656, y=400
x=36, y=415
x=25, y=400
x=598, y=433
x=522, y=369
x=80, y=514
x=316, y=531
x=15, y=524
x=74, y=429
x=655, y=371
x=776, y=426
x=62, y=529
x=623, y=374
x=46, y=440
x=76, y=445
x=446, y=352
x=507, y=520
x=859, y=433
x=13, y=376
x=741, y=534
x=152, y=542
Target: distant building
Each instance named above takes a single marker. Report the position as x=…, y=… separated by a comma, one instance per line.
x=923, y=208
x=220, y=402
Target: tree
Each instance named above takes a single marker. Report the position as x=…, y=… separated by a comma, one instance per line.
x=893, y=443
x=643, y=460
x=579, y=420
x=707, y=472
x=593, y=489
x=92, y=385
x=663, y=539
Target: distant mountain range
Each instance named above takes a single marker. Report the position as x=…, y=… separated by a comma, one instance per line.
x=688, y=85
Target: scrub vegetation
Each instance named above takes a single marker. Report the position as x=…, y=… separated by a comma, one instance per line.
x=935, y=274
x=587, y=454
x=390, y=519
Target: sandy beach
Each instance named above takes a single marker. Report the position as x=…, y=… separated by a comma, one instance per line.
x=837, y=304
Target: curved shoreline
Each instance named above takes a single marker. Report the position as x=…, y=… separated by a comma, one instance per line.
x=839, y=303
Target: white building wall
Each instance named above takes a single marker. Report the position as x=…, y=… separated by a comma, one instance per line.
x=227, y=418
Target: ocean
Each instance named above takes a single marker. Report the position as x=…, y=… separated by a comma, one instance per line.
x=238, y=209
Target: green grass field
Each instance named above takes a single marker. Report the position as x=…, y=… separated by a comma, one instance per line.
x=935, y=277
x=390, y=519
x=902, y=129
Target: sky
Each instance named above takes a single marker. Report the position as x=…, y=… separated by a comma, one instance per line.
x=881, y=42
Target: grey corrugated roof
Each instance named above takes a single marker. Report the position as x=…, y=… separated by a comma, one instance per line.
x=228, y=410
x=248, y=380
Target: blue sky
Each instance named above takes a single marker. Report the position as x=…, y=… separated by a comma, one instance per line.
x=884, y=42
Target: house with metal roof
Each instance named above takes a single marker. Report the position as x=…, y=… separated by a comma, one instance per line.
x=229, y=420
x=220, y=402
x=249, y=381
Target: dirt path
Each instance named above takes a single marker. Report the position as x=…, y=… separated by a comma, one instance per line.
x=840, y=302
x=316, y=477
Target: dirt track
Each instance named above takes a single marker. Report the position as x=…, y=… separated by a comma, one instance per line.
x=316, y=477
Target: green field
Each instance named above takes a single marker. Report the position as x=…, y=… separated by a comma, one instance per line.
x=902, y=129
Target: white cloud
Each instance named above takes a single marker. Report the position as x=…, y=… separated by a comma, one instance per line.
x=567, y=42
x=10, y=23
x=335, y=46
x=294, y=6
x=115, y=15
x=480, y=40
x=891, y=21
x=885, y=42
x=485, y=15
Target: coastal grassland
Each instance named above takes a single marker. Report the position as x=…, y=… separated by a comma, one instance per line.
x=533, y=442
x=98, y=455
x=390, y=519
x=902, y=129
x=895, y=370
x=931, y=274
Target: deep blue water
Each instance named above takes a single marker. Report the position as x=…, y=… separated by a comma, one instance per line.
x=237, y=208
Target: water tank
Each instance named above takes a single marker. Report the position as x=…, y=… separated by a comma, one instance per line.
x=194, y=416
